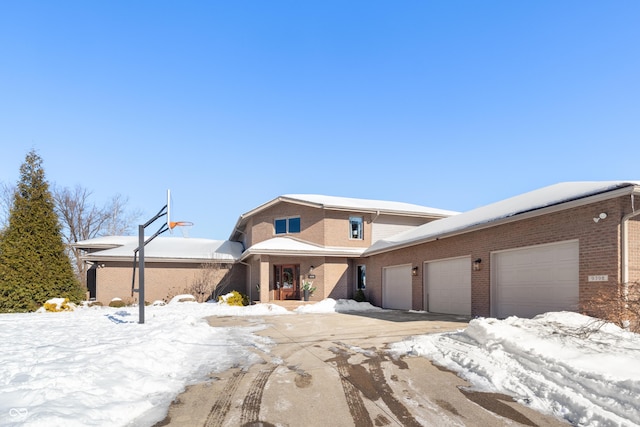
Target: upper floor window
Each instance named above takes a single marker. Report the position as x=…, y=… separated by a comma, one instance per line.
x=287, y=225
x=356, y=228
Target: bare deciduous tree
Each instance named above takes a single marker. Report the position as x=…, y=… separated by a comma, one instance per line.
x=83, y=220
x=620, y=306
x=212, y=280
x=6, y=201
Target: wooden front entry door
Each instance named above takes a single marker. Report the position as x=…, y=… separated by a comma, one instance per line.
x=286, y=280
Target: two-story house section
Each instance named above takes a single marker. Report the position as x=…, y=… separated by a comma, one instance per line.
x=319, y=239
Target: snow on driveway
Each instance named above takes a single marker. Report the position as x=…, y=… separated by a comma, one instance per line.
x=563, y=363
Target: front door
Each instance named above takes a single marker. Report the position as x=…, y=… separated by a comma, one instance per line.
x=286, y=280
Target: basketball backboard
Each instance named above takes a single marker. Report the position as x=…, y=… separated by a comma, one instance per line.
x=171, y=222
x=169, y=211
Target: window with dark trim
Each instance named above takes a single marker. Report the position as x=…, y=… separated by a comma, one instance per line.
x=356, y=228
x=286, y=225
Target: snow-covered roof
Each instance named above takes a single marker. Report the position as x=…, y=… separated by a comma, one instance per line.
x=105, y=242
x=349, y=204
x=291, y=246
x=165, y=249
x=341, y=203
x=487, y=215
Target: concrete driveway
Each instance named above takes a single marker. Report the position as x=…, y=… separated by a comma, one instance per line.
x=333, y=370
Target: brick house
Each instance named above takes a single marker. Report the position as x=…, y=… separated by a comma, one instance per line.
x=172, y=264
x=272, y=250
x=320, y=239
x=546, y=250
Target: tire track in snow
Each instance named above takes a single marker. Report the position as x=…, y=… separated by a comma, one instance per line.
x=221, y=406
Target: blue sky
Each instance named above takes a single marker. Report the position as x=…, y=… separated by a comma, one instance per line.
x=449, y=104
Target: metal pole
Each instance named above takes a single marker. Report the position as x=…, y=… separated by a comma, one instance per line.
x=141, y=273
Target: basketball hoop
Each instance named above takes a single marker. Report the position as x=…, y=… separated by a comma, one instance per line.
x=185, y=226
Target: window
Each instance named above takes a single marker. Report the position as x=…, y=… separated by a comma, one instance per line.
x=281, y=226
x=361, y=280
x=287, y=225
x=294, y=225
x=356, y=228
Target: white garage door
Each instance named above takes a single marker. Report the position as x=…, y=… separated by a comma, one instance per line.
x=448, y=286
x=396, y=287
x=535, y=280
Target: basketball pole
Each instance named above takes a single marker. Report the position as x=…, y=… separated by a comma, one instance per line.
x=139, y=251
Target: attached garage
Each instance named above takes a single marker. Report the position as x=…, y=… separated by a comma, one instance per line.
x=396, y=287
x=447, y=285
x=536, y=279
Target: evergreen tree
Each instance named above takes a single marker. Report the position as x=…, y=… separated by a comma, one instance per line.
x=34, y=266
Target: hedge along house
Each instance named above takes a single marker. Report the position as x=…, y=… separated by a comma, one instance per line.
x=547, y=250
x=173, y=265
x=320, y=239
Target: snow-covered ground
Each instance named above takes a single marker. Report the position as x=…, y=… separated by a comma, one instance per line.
x=99, y=366
x=570, y=365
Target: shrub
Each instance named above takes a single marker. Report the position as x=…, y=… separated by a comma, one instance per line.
x=117, y=303
x=620, y=306
x=234, y=298
x=183, y=298
x=359, y=296
x=58, y=304
x=308, y=286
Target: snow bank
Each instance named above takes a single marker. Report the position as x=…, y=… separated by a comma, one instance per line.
x=99, y=366
x=330, y=305
x=558, y=363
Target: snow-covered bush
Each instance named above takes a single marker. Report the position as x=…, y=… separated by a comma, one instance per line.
x=183, y=298
x=116, y=303
x=234, y=298
x=58, y=304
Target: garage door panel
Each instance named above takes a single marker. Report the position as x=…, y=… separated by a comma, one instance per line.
x=397, y=287
x=448, y=286
x=534, y=280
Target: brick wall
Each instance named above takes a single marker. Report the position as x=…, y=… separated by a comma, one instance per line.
x=311, y=223
x=599, y=250
x=162, y=280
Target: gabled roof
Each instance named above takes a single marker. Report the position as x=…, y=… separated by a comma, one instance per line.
x=348, y=204
x=291, y=246
x=533, y=203
x=162, y=249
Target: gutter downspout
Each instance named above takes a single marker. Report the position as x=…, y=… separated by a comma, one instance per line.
x=624, y=249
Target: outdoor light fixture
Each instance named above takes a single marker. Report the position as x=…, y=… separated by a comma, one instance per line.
x=602, y=215
x=477, y=264
x=311, y=269
x=414, y=271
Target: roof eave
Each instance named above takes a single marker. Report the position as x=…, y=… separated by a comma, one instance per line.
x=242, y=219
x=308, y=253
x=119, y=258
x=611, y=194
